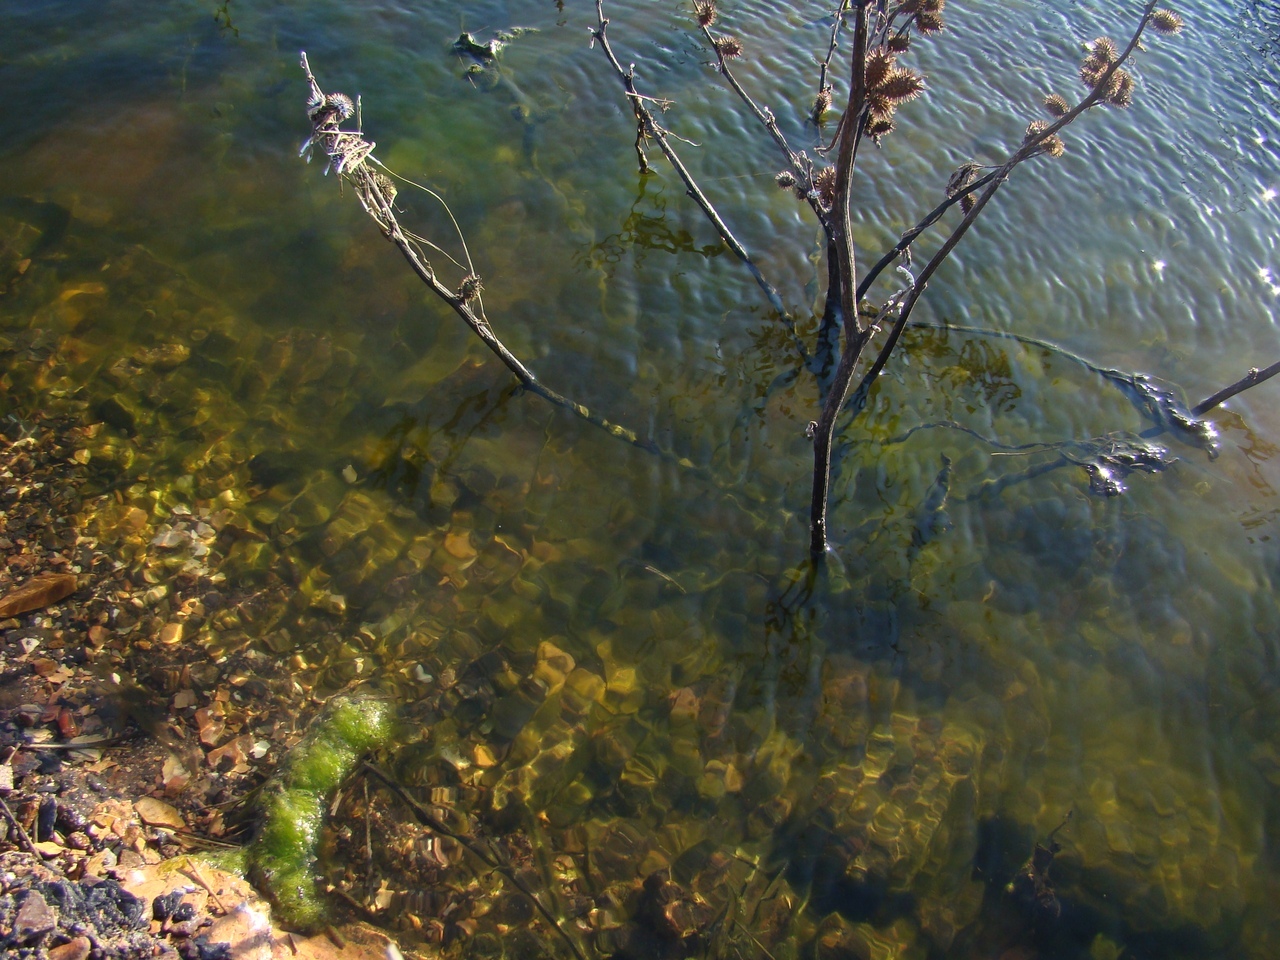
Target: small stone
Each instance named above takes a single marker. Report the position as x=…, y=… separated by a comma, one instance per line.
x=171, y=633
x=134, y=518
x=349, y=473
x=157, y=813
x=40, y=591
x=77, y=949
x=98, y=635
x=169, y=539
x=34, y=920
x=484, y=756
x=458, y=545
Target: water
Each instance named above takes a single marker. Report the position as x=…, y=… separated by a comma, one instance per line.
x=862, y=765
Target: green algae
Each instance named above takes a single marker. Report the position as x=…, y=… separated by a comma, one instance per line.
x=282, y=858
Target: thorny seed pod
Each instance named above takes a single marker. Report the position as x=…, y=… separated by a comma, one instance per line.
x=879, y=66
x=880, y=106
x=729, y=47
x=385, y=186
x=821, y=103
x=963, y=176
x=341, y=103
x=880, y=126
x=899, y=43
x=929, y=23
x=1166, y=21
x=967, y=202
x=1120, y=89
x=470, y=287
x=825, y=184
x=1052, y=145
x=786, y=180
x=1056, y=105
x=705, y=11
x=901, y=86
x=1102, y=54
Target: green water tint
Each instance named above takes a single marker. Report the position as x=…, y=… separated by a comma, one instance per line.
x=600, y=660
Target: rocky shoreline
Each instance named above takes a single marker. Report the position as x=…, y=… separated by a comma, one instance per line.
x=122, y=749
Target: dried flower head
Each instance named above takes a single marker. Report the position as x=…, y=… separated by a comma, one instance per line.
x=821, y=103
x=331, y=111
x=899, y=43
x=825, y=185
x=965, y=174
x=900, y=86
x=341, y=103
x=1119, y=91
x=1104, y=50
x=729, y=47
x=786, y=180
x=967, y=202
x=1166, y=21
x=929, y=23
x=705, y=11
x=470, y=287
x=879, y=66
x=879, y=105
x=878, y=127
x=1052, y=144
x=1056, y=105
x=386, y=186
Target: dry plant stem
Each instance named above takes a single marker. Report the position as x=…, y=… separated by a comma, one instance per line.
x=911, y=235
x=1029, y=148
x=22, y=833
x=840, y=388
x=840, y=235
x=831, y=47
x=1250, y=379
x=378, y=206
x=655, y=132
x=486, y=855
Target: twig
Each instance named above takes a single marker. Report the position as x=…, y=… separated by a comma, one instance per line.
x=656, y=132
x=350, y=156
x=18, y=828
x=196, y=875
x=831, y=47
x=486, y=856
x=1250, y=379
x=1029, y=148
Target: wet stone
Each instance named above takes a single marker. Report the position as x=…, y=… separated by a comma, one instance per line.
x=34, y=920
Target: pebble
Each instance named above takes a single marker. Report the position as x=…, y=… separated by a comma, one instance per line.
x=34, y=920
x=77, y=949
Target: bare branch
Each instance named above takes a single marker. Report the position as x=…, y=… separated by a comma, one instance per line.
x=656, y=132
x=1250, y=379
x=350, y=156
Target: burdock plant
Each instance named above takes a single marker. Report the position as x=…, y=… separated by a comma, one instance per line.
x=877, y=88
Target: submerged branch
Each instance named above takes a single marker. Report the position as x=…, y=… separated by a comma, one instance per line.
x=486, y=854
x=653, y=130
x=1250, y=379
x=351, y=157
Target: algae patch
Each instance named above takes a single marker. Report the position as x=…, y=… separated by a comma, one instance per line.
x=282, y=857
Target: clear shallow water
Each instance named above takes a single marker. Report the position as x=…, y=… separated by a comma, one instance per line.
x=886, y=751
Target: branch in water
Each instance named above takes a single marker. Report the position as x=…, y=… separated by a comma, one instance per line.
x=1250, y=379
x=351, y=157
